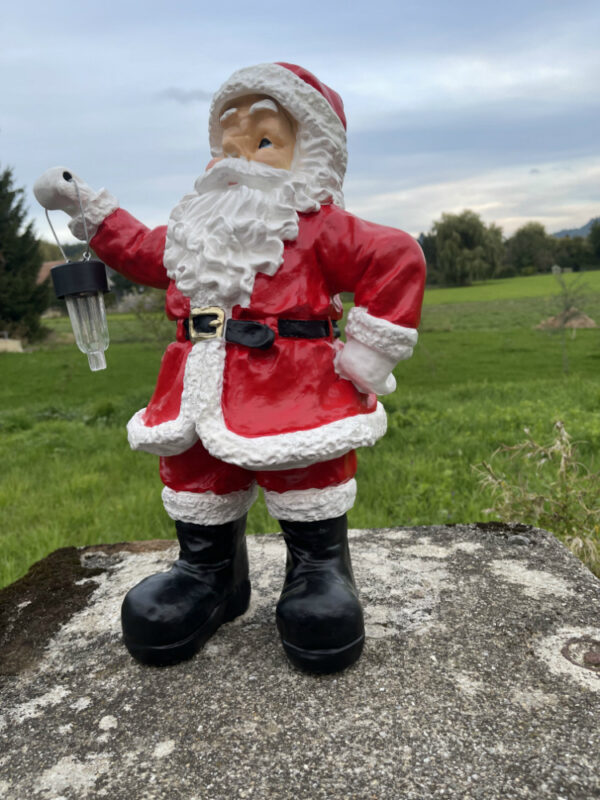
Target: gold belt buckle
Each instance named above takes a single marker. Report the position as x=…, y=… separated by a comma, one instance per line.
x=218, y=324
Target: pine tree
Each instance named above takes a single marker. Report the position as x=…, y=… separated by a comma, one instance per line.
x=22, y=301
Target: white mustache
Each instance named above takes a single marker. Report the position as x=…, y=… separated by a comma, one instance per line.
x=252, y=174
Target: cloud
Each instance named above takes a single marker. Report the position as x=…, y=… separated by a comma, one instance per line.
x=559, y=69
x=559, y=195
x=433, y=147
x=184, y=96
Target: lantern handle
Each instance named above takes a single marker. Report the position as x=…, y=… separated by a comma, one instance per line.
x=86, y=255
x=64, y=255
x=68, y=177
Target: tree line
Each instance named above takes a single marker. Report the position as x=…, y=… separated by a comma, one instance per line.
x=461, y=249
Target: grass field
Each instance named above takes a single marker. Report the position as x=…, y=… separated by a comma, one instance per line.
x=510, y=289
x=479, y=376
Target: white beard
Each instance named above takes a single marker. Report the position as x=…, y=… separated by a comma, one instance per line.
x=222, y=235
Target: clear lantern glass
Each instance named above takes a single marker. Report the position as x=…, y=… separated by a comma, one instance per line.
x=82, y=284
x=88, y=320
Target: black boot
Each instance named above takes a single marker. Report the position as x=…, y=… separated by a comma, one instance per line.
x=319, y=616
x=169, y=616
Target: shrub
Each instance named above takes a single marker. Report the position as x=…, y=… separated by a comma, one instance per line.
x=547, y=486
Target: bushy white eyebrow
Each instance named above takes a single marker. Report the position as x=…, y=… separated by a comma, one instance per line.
x=264, y=105
x=226, y=114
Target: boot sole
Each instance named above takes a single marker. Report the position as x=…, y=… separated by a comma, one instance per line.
x=164, y=655
x=324, y=661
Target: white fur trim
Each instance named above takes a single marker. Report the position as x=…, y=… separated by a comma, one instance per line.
x=201, y=402
x=320, y=130
x=208, y=508
x=395, y=341
x=96, y=208
x=167, y=439
x=310, y=505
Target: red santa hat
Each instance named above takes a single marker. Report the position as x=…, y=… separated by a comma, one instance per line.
x=317, y=109
x=332, y=97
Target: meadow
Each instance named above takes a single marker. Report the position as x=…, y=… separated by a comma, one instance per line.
x=480, y=375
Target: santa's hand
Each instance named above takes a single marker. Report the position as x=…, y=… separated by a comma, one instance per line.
x=369, y=370
x=56, y=190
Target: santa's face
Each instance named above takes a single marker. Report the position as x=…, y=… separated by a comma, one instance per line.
x=256, y=128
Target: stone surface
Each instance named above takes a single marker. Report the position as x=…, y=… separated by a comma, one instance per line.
x=480, y=679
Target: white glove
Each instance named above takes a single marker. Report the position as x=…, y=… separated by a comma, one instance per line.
x=55, y=190
x=369, y=370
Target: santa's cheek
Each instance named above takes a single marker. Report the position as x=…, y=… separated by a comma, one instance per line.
x=271, y=158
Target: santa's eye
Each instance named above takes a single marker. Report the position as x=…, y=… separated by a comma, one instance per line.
x=265, y=143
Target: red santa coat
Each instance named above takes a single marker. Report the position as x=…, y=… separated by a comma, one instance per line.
x=286, y=406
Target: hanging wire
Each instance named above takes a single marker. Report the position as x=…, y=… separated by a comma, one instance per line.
x=64, y=255
x=86, y=255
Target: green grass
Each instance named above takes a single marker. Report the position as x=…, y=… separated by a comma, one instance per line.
x=69, y=477
x=506, y=304
x=509, y=288
x=499, y=315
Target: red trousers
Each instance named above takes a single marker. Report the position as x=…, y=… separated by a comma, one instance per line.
x=200, y=488
x=197, y=471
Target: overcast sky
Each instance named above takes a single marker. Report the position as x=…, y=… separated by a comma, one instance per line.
x=450, y=105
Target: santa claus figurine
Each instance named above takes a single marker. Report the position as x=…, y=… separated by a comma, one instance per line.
x=256, y=391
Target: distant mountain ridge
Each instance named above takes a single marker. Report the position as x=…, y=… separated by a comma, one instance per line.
x=583, y=231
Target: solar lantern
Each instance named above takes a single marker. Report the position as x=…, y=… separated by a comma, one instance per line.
x=83, y=284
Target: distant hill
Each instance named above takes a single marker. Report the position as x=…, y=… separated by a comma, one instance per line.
x=583, y=231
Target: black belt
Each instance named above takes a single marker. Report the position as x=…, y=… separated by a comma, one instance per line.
x=210, y=323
